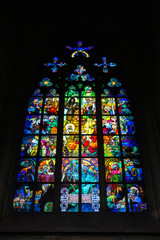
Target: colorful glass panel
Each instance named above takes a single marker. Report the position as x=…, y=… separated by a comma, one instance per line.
x=136, y=198
x=133, y=170
x=116, y=198
x=72, y=92
x=35, y=105
x=127, y=125
x=89, y=170
x=111, y=146
x=29, y=146
x=37, y=93
x=106, y=93
x=26, y=170
x=70, y=146
x=124, y=106
x=50, y=124
x=129, y=146
x=46, y=170
x=108, y=106
x=69, y=198
x=51, y=105
x=48, y=146
x=45, y=82
x=70, y=170
x=32, y=124
x=88, y=92
x=113, y=170
x=90, y=198
x=23, y=197
x=109, y=125
x=71, y=125
x=71, y=106
x=44, y=198
x=88, y=106
x=89, y=146
x=53, y=93
x=88, y=125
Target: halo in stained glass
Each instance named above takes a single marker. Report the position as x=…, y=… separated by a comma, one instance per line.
x=113, y=170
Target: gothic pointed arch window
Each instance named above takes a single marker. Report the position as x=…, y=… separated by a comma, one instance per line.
x=79, y=151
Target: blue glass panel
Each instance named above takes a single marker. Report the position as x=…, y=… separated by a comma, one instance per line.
x=115, y=198
x=90, y=198
x=136, y=198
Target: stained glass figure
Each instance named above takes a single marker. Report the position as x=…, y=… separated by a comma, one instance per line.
x=72, y=92
x=116, y=198
x=32, y=124
x=79, y=49
x=109, y=125
x=35, y=105
x=111, y=146
x=90, y=198
x=108, y=106
x=71, y=105
x=136, y=198
x=127, y=125
x=46, y=170
x=44, y=198
x=29, y=146
x=124, y=106
x=26, y=170
x=114, y=83
x=133, y=170
x=113, y=170
x=88, y=92
x=51, y=105
x=46, y=82
x=23, y=198
x=89, y=170
x=71, y=124
x=48, y=146
x=89, y=146
x=55, y=65
x=69, y=198
x=129, y=146
x=70, y=170
x=88, y=106
x=105, y=65
x=88, y=125
x=50, y=124
x=70, y=146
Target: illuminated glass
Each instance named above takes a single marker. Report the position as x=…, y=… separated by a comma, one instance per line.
x=113, y=170
x=32, y=124
x=46, y=170
x=26, y=170
x=108, y=106
x=116, y=201
x=43, y=201
x=70, y=170
x=70, y=146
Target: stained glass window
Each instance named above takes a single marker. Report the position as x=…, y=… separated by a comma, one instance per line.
x=79, y=142
x=123, y=167
x=38, y=153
